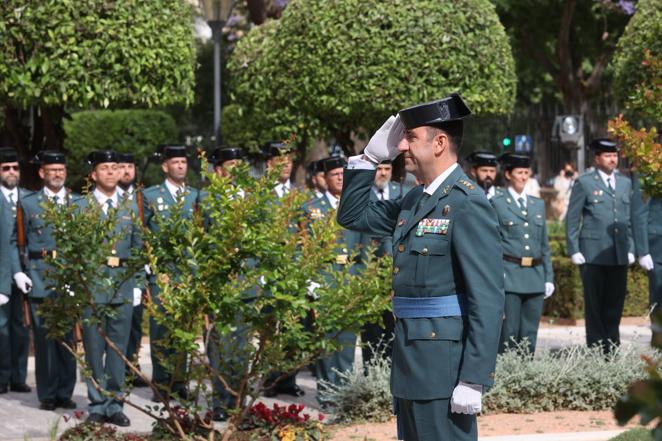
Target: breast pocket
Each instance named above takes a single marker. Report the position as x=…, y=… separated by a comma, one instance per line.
x=430, y=252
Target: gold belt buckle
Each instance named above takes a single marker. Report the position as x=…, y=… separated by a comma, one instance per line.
x=341, y=259
x=527, y=261
x=54, y=254
x=113, y=261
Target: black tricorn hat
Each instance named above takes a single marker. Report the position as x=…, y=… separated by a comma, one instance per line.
x=126, y=158
x=315, y=167
x=271, y=149
x=49, y=157
x=169, y=151
x=513, y=160
x=481, y=158
x=101, y=156
x=333, y=162
x=8, y=154
x=603, y=145
x=221, y=155
x=435, y=113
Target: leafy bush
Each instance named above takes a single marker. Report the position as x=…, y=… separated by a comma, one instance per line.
x=574, y=378
x=283, y=423
x=634, y=435
x=130, y=131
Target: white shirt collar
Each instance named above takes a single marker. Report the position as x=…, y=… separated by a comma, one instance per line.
x=516, y=195
x=491, y=192
x=6, y=192
x=385, y=191
x=282, y=188
x=173, y=189
x=605, y=176
x=61, y=194
x=121, y=191
x=318, y=194
x=102, y=198
x=434, y=185
x=332, y=199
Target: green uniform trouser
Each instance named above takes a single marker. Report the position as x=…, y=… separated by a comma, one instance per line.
x=432, y=420
x=227, y=358
x=136, y=334
x=55, y=366
x=105, y=363
x=604, y=297
x=20, y=338
x=522, y=317
x=340, y=361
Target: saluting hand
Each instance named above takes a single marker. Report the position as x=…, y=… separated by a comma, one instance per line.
x=384, y=143
x=467, y=398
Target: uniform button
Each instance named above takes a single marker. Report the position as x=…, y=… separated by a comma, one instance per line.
x=615, y=230
x=526, y=236
x=526, y=224
x=396, y=270
x=433, y=334
x=424, y=251
x=401, y=247
x=615, y=210
x=527, y=247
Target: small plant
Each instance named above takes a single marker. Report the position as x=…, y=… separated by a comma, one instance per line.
x=283, y=423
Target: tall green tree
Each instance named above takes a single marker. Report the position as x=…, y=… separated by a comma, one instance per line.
x=343, y=67
x=57, y=55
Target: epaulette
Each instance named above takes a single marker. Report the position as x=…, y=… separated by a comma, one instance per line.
x=465, y=185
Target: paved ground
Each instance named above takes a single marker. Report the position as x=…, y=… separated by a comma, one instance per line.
x=21, y=419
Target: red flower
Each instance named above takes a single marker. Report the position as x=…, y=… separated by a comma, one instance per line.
x=321, y=417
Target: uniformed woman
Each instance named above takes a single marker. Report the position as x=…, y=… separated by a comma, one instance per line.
x=529, y=278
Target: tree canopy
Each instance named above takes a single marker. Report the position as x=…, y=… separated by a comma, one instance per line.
x=346, y=66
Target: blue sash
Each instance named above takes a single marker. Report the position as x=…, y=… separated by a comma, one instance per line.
x=428, y=307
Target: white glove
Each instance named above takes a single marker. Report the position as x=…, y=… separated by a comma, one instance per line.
x=3, y=299
x=312, y=286
x=466, y=398
x=137, y=296
x=23, y=282
x=646, y=262
x=148, y=271
x=630, y=258
x=68, y=290
x=578, y=259
x=549, y=289
x=384, y=143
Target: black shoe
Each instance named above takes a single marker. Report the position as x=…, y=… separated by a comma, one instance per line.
x=95, y=418
x=119, y=419
x=20, y=387
x=47, y=405
x=139, y=382
x=3, y=389
x=295, y=391
x=270, y=392
x=66, y=404
x=219, y=415
x=181, y=394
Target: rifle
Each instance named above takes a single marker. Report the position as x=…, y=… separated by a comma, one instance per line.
x=23, y=255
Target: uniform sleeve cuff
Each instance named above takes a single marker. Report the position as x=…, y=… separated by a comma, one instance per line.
x=358, y=163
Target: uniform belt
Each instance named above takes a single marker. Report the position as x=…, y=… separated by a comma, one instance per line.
x=523, y=261
x=42, y=254
x=428, y=307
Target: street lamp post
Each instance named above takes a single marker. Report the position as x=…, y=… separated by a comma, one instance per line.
x=217, y=13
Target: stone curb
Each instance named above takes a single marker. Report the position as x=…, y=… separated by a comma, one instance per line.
x=567, y=436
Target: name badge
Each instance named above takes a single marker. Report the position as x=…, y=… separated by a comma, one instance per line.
x=113, y=261
x=433, y=226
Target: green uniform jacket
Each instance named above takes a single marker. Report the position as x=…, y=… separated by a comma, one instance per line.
x=430, y=355
x=6, y=223
x=10, y=216
x=126, y=237
x=524, y=235
x=383, y=244
x=647, y=225
x=38, y=238
x=598, y=220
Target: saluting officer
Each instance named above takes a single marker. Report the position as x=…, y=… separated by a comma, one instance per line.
x=55, y=366
x=158, y=200
x=106, y=365
x=14, y=334
x=647, y=232
x=447, y=285
x=329, y=367
x=378, y=339
x=484, y=171
x=529, y=278
x=599, y=239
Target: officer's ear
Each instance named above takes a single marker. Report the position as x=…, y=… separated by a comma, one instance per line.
x=506, y=174
x=42, y=173
x=164, y=166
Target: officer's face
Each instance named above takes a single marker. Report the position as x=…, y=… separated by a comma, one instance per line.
x=485, y=176
x=319, y=181
x=286, y=162
x=175, y=169
x=106, y=176
x=225, y=168
x=383, y=175
x=10, y=173
x=334, y=180
x=53, y=175
x=518, y=177
x=127, y=172
x=606, y=161
x=421, y=150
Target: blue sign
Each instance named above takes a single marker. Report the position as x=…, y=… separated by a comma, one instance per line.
x=523, y=143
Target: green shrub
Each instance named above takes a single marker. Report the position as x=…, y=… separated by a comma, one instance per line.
x=134, y=131
x=634, y=435
x=574, y=378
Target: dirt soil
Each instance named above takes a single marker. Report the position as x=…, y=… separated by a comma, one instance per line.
x=498, y=424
